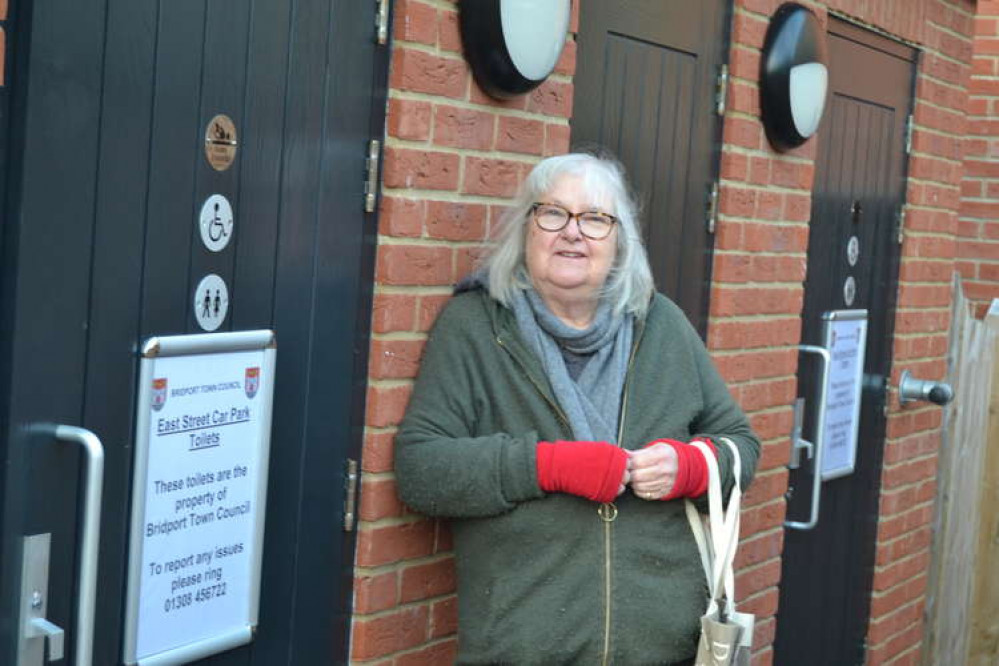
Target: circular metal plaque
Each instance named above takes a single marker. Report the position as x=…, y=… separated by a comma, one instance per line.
x=215, y=222
x=849, y=291
x=853, y=250
x=211, y=302
x=220, y=142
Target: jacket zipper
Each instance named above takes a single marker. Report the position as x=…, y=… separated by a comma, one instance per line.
x=608, y=512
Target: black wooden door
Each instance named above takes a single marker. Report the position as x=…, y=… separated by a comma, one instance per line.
x=645, y=89
x=110, y=104
x=827, y=571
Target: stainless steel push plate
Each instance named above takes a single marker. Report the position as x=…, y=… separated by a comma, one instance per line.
x=33, y=629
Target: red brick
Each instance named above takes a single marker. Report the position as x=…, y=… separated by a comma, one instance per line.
x=380, y=500
x=393, y=312
x=748, y=30
x=567, y=59
x=767, y=516
x=745, y=63
x=744, y=97
x=445, y=540
x=415, y=22
x=437, y=654
x=736, y=367
x=477, y=96
x=456, y=221
x=395, y=359
x=770, y=425
x=574, y=17
x=448, y=31
x=408, y=119
x=422, y=72
x=463, y=128
x=386, y=406
x=984, y=210
x=520, y=135
x=760, y=170
x=383, y=635
x=444, y=618
x=467, y=260
x=751, y=334
x=421, y=169
x=401, y=217
x=552, y=98
x=3, y=12
x=922, y=322
x=758, y=579
x=742, y=132
x=414, y=265
x=491, y=177
x=376, y=593
x=795, y=175
x=556, y=139
x=424, y=581
x=377, y=453
x=428, y=309
x=762, y=605
x=734, y=166
x=769, y=205
x=755, y=550
x=737, y=201
x=384, y=545
x=3, y=50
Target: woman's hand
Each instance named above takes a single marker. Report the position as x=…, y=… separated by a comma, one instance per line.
x=653, y=470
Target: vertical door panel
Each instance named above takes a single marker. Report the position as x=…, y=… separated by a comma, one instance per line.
x=828, y=571
x=103, y=251
x=645, y=85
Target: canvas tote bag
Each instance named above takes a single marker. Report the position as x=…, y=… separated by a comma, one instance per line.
x=726, y=635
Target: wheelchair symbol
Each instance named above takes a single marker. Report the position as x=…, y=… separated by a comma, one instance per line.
x=216, y=222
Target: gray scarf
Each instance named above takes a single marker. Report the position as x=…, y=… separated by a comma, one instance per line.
x=592, y=402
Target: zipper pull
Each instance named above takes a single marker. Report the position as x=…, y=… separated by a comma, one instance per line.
x=607, y=512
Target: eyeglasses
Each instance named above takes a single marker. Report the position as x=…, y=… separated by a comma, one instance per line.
x=592, y=224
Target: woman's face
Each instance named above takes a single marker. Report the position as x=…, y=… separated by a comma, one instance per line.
x=566, y=263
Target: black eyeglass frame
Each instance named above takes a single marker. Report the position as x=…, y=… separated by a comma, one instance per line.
x=569, y=217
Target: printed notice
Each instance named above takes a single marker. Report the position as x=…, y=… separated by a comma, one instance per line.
x=200, y=519
x=846, y=341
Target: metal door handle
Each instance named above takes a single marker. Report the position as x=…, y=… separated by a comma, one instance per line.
x=55, y=635
x=87, y=577
x=820, y=426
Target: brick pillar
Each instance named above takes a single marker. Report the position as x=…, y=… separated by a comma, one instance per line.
x=453, y=156
x=978, y=227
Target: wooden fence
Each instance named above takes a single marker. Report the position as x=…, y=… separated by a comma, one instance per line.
x=962, y=600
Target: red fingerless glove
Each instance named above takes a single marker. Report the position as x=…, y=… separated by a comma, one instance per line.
x=691, y=468
x=588, y=469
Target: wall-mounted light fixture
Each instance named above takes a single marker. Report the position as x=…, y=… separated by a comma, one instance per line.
x=513, y=45
x=794, y=77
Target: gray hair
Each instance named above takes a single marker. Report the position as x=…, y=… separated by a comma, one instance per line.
x=629, y=285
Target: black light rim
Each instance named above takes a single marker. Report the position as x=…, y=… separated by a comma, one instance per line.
x=793, y=36
x=486, y=51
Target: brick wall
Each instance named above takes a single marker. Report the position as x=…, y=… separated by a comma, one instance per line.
x=978, y=225
x=453, y=156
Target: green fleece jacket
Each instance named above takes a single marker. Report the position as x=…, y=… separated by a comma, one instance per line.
x=553, y=578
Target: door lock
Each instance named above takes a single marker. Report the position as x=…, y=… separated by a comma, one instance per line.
x=35, y=629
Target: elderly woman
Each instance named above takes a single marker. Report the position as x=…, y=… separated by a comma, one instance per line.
x=551, y=423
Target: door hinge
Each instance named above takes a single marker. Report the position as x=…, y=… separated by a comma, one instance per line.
x=900, y=224
x=371, y=184
x=381, y=22
x=908, y=134
x=721, y=90
x=350, y=496
x=712, y=207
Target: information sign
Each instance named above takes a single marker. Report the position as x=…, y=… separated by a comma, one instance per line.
x=846, y=339
x=201, y=459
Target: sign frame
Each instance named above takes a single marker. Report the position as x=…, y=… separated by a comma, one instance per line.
x=832, y=468
x=186, y=345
